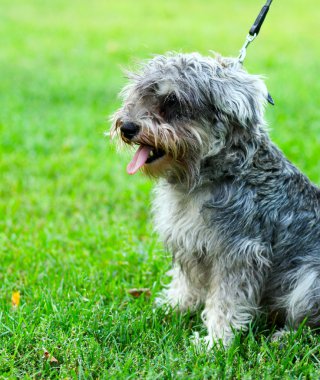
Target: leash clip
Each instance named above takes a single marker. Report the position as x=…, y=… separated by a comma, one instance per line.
x=243, y=50
x=254, y=30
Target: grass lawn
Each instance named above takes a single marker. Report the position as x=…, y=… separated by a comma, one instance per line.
x=75, y=233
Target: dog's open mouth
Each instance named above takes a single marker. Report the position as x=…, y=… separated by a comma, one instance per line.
x=144, y=155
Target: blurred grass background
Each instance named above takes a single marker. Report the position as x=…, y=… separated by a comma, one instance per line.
x=74, y=228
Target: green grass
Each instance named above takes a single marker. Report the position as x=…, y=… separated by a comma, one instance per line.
x=75, y=233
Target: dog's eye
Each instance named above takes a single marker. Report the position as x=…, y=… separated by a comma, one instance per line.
x=170, y=100
x=170, y=103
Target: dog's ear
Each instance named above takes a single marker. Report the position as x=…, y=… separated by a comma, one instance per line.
x=237, y=94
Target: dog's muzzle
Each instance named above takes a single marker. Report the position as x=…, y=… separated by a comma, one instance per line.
x=129, y=130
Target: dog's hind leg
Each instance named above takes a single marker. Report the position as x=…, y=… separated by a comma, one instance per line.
x=303, y=301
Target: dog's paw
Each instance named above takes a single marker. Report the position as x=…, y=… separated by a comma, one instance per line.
x=161, y=300
x=201, y=344
x=207, y=342
x=280, y=335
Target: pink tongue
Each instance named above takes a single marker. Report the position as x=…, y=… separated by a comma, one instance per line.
x=139, y=159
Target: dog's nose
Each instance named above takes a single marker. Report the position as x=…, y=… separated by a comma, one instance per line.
x=129, y=130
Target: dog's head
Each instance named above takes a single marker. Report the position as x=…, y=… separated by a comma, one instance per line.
x=180, y=108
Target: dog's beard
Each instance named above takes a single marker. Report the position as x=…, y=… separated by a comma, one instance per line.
x=155, y=143
x=171, y=151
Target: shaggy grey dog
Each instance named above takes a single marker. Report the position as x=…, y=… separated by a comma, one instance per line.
x=242, y=222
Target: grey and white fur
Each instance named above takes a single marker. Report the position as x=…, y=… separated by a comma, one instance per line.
x=241, y=221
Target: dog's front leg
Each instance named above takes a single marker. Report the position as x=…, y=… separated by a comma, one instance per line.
x=179, y=293
x=231, y=304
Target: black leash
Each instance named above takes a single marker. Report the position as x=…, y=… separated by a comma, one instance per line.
x=254, y=30
x=253, y=33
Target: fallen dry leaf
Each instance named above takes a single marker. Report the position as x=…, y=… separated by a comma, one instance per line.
x=137, y=292
x=15, y=299
x=49, y=357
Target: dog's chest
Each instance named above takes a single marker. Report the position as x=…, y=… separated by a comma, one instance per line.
x=178, y=219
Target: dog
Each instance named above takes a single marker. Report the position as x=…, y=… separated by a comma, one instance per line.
x=241, y=221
